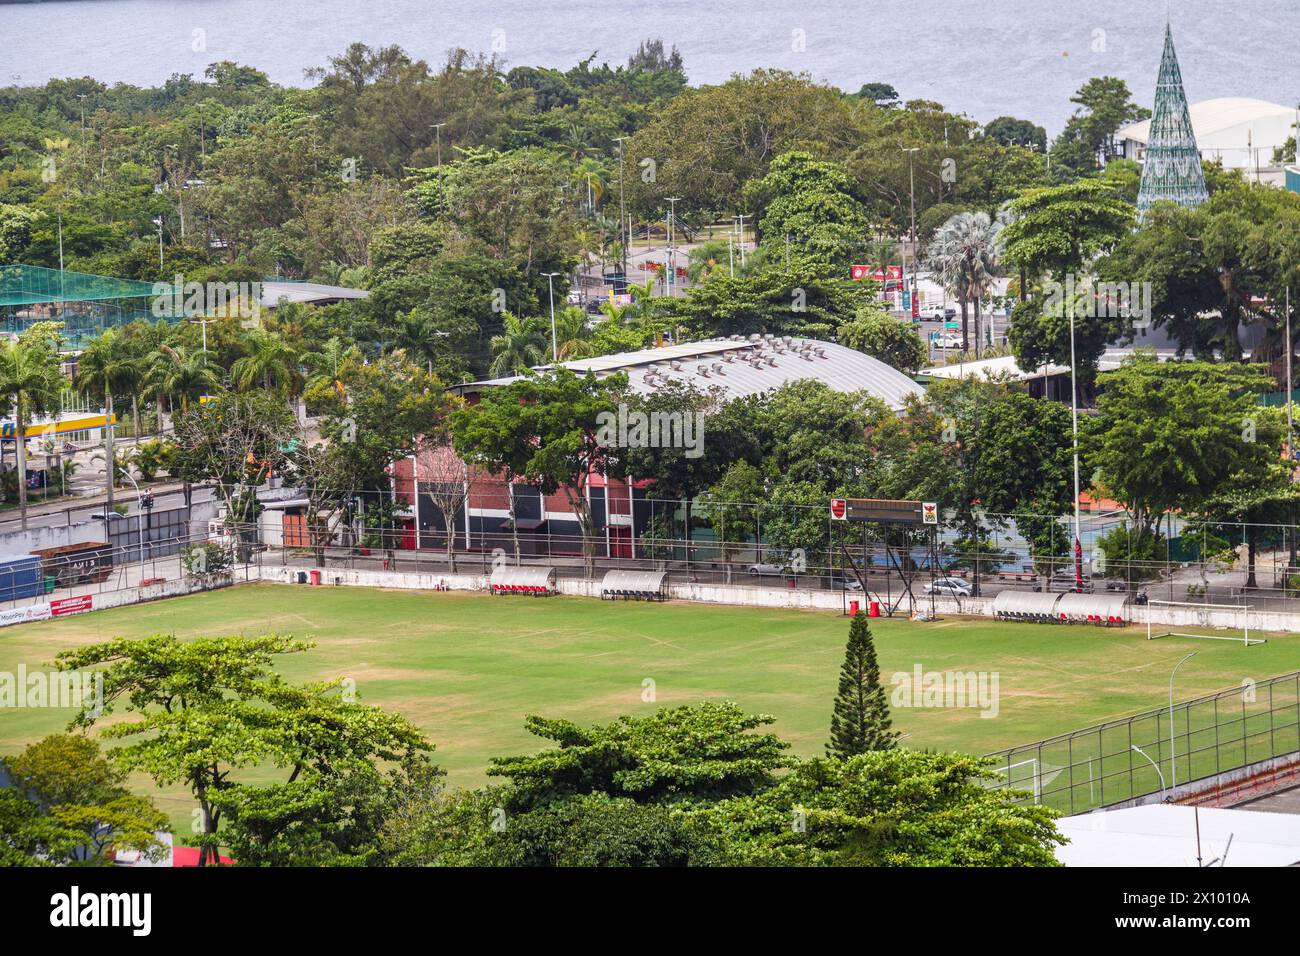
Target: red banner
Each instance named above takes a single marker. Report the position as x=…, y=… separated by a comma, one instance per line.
x=72, y=605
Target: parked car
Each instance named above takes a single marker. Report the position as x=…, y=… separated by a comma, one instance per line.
x=938, y=313
x=766, y=567
x=946, y=340
x=1063, y=581
x=949, y=587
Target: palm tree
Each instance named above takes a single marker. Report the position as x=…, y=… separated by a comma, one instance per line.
x=964, y=254
x=29, y=373
x=520, y=345
x=572, y=336
x=107, y=366
x=421, y=335
x=323, y=366
x=270, y=364
x=182, y=374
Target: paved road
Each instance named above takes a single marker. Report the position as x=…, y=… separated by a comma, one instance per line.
x=1284, y=801
x=56, y=514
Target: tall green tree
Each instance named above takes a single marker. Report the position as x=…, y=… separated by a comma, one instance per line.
x=965, y=253
x=204, y=708
x=860, y=721
x=30, y=378
x=1169, y=435
x=106, y=365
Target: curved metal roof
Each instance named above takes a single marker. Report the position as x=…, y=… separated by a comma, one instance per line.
x=742, y=366
x=641, y=582
x=522, y=576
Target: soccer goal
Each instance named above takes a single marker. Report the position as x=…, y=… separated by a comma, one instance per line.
x=1024, y=775
x=1211, y=622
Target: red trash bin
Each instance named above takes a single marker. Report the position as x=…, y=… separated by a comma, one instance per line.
x=853, y=609
x=873, y=609
x=315, y=577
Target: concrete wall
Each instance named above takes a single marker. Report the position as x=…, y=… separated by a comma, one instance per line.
x=99, y=601
x=734, y=594
x=33, y=539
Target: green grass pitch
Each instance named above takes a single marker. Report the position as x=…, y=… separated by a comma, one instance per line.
x=467, y=668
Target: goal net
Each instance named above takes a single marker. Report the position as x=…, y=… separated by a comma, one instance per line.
x=1212, y=622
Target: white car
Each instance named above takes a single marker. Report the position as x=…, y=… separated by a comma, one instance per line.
x=946, y=340
x=938, y=313
x=766, y=567
x=950, y=587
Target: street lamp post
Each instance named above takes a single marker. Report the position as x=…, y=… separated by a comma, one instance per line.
x=550, y=289
x=1163, y=790
x=1173, y=748
x=159, y=223
x=740, y=237
x=670, y=264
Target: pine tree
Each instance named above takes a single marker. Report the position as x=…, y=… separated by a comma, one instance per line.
x=861, y=721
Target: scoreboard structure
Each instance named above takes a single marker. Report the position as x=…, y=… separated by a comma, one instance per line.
x=900, y=525
x=885, y=511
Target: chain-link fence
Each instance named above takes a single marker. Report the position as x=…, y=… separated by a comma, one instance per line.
x=1152, y=752
x=132, y=561
x=801, y=546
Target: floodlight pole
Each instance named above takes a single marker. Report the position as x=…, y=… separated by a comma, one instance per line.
x=159, y=223
x=1163, y=788
x=555, y=350
x=1173, y=750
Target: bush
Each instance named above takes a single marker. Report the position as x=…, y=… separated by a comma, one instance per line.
x=206, y=561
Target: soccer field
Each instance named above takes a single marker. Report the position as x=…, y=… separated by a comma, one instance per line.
x=467, y=668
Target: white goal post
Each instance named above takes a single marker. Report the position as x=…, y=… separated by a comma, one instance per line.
x=1037, y=777
x=1206, y=616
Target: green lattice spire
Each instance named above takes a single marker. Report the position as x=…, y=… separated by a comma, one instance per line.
x=1173, y=163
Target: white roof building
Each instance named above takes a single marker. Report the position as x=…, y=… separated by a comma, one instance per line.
x=742, y=366
x=1166, y=835
x=1238, y=131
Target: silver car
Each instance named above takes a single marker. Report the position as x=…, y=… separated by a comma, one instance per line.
x=950, y=587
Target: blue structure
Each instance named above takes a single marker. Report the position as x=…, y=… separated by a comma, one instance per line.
x=20, y=576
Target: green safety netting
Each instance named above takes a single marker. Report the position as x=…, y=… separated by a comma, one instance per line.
x=85, y=304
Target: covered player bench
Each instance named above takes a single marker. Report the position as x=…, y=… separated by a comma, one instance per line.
x=635, y=585
x=1025, y=606
x=1105, y=609
x=534, y=582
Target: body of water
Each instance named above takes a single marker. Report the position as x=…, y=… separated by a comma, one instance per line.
x=1018, y=57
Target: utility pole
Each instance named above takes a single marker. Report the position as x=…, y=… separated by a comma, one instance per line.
x=555, y=349
x=1290, y=430
x=437, y=132
x=740, y=237
x=671, y=257
x=203, y=140
x=622, y=212
x=159, y=223
x=911, y=190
